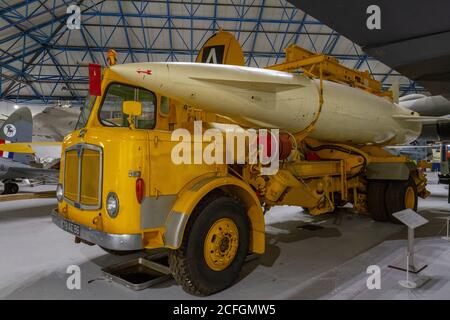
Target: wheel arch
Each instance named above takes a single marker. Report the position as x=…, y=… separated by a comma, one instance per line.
x=195, y=191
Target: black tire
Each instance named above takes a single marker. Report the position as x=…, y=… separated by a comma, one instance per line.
x=188, y=263
x=395, y=197
x=376, y=191
x=10, y=188
x=6, y=188
x=14, y=188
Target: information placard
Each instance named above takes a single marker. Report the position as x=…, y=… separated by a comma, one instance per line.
x=410, y=218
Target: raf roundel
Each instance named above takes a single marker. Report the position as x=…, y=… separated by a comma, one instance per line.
x=10, y=130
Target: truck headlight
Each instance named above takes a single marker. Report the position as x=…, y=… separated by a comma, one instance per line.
x=112, y=204
x=59, y=192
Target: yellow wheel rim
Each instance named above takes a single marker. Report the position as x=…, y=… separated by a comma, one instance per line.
x=221, y=244
x=410, y=198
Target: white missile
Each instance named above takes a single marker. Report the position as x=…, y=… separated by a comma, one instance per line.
x=276, y=99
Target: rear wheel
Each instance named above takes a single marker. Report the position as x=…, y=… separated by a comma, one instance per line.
x=376, y=191
x=401, y=195
x=214, y=247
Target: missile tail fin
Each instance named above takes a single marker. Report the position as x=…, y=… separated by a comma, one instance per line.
x=221, y=48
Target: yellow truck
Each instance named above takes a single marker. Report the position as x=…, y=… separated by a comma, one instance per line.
x=120, y=189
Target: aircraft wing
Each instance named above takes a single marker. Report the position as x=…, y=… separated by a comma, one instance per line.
x=40, y=149
x=21, y=172
x=10, y=169
x=414, y=38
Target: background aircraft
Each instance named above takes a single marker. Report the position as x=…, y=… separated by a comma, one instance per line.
x=18, y=128
x=54, y=123
x=49, y=127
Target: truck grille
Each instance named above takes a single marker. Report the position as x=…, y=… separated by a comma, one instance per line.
x=83, y=176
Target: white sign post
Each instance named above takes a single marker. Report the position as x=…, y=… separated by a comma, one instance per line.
x=412, y=220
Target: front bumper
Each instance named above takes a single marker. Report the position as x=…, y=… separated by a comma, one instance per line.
x=119, y=242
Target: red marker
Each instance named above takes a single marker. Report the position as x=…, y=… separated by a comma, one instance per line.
x=148, y=71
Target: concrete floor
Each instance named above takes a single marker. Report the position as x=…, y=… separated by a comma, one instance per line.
x=322, y=258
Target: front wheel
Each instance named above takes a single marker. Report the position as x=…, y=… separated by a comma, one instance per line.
x=214, y=247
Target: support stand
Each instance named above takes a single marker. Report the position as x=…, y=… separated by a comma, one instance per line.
x=447, y=218
x=407, y=283
x=409, y=263
x=412, y=220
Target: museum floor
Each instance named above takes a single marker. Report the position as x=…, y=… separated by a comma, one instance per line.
x=324, y=258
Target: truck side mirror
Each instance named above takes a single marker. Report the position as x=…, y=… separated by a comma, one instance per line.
x=132, y=108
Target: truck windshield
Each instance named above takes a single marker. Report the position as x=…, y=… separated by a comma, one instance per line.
x=85, y=112
x=111, y=110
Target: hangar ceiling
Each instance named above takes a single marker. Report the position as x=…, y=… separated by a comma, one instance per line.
x=42, y=60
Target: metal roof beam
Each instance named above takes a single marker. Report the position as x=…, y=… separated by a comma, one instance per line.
x=258, y=25
x=16, y=6
x=169, y=22
x=204, y=18
x=127, y=36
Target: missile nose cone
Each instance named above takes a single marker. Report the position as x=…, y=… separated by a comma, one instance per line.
x=145, y=74
x=133, y=68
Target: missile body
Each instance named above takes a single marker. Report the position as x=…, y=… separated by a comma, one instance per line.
x=275, y=99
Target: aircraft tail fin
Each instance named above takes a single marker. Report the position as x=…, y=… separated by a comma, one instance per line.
x=395, y=88
x=221, y=48
x=17, y=128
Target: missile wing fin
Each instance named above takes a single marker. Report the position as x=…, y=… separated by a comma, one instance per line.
x=265, y=86
x=421, y=119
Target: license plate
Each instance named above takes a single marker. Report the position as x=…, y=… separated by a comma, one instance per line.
x=70, y=227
